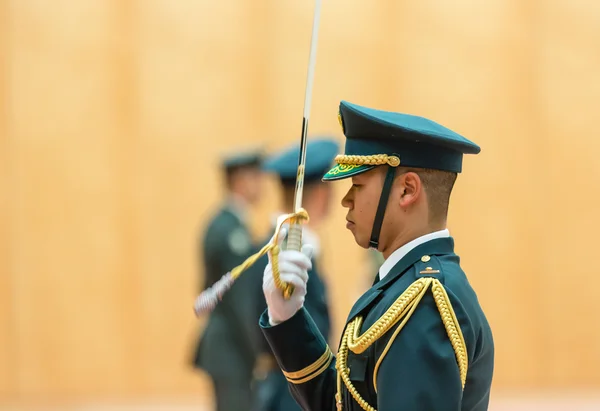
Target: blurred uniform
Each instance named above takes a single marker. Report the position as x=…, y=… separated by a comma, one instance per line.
x=224, y=350
x=270, y=384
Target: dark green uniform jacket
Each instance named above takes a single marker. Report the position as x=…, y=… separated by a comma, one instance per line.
x=225, y=349
x=422, y=333
x=273, y=392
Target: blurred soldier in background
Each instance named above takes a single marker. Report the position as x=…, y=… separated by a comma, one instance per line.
x=271, y=387
x=225, y=350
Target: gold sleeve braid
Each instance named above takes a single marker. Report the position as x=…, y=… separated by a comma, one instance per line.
x=373, y=160
x=401, y=309
x=311, y=371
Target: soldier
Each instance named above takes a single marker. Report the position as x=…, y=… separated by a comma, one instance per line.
x=225, y=350
x=418, y=339
x=271, y=385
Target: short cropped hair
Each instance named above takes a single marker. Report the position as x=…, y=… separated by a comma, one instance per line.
x=438, y=186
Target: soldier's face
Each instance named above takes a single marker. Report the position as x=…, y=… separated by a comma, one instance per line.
x=255, y=184
x=248, y=183
x=361, y=200
x=405, y=212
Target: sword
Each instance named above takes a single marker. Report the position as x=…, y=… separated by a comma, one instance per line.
x=210, y=297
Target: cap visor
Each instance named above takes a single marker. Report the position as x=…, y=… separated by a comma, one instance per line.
x=341, y=171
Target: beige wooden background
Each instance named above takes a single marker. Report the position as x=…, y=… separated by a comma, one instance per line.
x=113, y=115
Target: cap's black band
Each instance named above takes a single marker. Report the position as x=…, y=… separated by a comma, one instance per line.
x=383, y=200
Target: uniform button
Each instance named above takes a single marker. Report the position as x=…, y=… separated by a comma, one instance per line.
x=425, y=258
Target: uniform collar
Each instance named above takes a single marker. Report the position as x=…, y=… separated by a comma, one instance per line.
x=397, y=255
x=438, y=246
x=237, y=206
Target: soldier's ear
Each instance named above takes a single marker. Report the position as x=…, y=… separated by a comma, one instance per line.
x=410, y=187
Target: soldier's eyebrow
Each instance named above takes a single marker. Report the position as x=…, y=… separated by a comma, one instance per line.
x=358, y=179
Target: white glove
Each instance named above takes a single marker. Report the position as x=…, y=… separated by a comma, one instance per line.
x=293, y=269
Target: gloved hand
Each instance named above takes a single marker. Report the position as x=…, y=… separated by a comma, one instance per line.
x=293, y=269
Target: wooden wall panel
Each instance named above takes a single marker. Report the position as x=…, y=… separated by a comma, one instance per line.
x=68, y=243
x=124, y=92
x=569, y=92
x=114, y=115
x=194, y=106
x=7, y=313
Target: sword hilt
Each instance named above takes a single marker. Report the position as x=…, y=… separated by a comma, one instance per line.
x=294, y=242
x=209, y=298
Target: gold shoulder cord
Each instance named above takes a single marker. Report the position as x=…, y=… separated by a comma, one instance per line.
x=401, y=309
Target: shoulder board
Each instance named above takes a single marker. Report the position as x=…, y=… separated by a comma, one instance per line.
x=428, y=266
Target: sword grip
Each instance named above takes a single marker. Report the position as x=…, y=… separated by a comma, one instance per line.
x=294, y=237
x=294, y=242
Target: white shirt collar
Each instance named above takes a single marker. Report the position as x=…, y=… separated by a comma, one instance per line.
x=397, y=255
x=308, y=236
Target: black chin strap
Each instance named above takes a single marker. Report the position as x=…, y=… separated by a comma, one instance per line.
x=383, y=200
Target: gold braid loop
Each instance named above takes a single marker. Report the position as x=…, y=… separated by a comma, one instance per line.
x=272, y=246
x=452, y=329
x=343, y=372
x=358, y=344
x=404, y=306
x=372, y=160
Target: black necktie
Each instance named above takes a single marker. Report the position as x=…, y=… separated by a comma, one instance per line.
x=376, y=279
